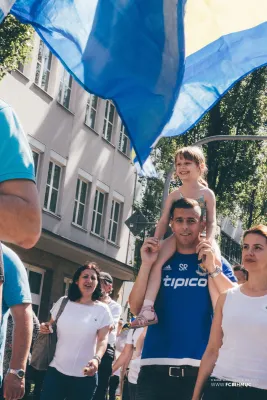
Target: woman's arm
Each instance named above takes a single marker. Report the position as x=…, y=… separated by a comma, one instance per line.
x=211, y=223
x=101, y=346
x=126, y=355
x=211, y=354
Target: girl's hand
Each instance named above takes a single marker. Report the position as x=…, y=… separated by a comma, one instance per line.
x=46, y=328
x=91, y=368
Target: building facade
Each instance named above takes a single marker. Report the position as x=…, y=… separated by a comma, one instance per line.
x=84, y=176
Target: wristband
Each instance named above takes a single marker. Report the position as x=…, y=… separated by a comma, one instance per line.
x=215, y=273
x=96, y=357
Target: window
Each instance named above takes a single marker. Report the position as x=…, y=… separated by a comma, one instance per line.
x=52, y=187
x=36, y=278
x=109, y=120
x=124, y=140
x=91, y=110
x=66, y=286
x=43, y=67
x=36, y=158
x=114, y=221
x=98, y=212
x=80, y=202
x=65, y=89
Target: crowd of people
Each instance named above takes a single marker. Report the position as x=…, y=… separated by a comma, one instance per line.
x=200, y=326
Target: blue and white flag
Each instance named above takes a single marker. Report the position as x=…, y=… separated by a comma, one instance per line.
x=5, y=7
x=133, y=53
x=126, y=50
x=225, y=41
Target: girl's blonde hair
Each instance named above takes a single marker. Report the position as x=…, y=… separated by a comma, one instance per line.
x=195, y=154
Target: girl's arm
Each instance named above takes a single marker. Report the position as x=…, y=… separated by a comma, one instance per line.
x=124, y=357
x=164, y=221
x=211, y=223
x=211, y=354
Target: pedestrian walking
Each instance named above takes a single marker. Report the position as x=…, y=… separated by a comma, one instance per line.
x=174, y=347
x=82, y=331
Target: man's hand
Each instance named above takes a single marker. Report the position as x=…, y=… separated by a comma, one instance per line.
x=206, y=253
x=150, y=251
x=14, y=387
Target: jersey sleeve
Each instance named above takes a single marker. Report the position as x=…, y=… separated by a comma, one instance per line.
x=227, y=270
x=16, y=289
x=15, y=152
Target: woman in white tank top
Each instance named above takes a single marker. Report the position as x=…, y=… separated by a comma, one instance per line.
x=234, y=365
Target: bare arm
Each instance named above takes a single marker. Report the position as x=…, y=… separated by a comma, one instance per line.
x=20, y=221
x=101, y=345
x=164, y=221
x=124, y=358
x=149, y=255
x=22, y=335
x=211, y=215
x=211, y=354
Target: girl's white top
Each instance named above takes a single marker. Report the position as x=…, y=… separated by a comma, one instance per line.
x=243, y=355
x=77, y=333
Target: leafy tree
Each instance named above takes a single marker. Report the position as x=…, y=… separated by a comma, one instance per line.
x=15, y=44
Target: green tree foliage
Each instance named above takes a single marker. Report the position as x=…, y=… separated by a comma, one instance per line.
x=15, y=44
x=236, y=170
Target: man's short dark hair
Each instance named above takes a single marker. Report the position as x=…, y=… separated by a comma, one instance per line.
x=183, y=203
x=239, y=267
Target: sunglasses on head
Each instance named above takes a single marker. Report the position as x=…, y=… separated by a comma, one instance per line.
x=106, y=282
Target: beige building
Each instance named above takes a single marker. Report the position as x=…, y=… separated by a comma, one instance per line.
x=84, y=176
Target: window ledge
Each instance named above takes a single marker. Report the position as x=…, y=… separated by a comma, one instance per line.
x=17, y=71
x=91, y=129
x=113, y=244
x=65, y=108
x=56, y=216
x=43, y=91
x=124, y=155
x=97, y=236
x=79, y=227
x=107, y=141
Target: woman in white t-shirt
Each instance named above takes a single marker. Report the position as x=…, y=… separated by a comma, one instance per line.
x=236, y=355
x=131, y=355
x=82, y=331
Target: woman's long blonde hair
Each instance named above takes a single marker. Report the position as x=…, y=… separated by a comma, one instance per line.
x=195, y=154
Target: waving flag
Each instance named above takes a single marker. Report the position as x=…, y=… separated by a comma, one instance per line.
x=126, y=50
x=133, y=53
x=225, y=40
x=5, y=6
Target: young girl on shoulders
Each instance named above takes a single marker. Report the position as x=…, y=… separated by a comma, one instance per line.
x=190, y=169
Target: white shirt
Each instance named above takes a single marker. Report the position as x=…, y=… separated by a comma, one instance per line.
x=134, y=366
x=243, y=355
x=115, y=309
x=77, y=333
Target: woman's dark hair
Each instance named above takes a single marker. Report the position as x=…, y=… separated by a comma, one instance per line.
x=239, y=267
x=74, y=292
x=258, y=230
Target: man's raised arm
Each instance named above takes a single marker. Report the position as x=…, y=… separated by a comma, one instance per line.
x=149, y=256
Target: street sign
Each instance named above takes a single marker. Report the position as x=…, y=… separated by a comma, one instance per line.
x=136, y=223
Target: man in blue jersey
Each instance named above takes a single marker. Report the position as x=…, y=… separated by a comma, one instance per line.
x=20, y=216
x=17, y=300
x=174, y=347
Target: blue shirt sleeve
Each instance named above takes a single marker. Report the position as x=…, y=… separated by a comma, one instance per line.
x=227, y=270
x=16, y=289
x=15, y=152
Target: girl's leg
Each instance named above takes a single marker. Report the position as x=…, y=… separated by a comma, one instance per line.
x=147, y=315
x=54, y=386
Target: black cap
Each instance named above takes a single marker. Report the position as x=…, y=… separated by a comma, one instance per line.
x=106, y=276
